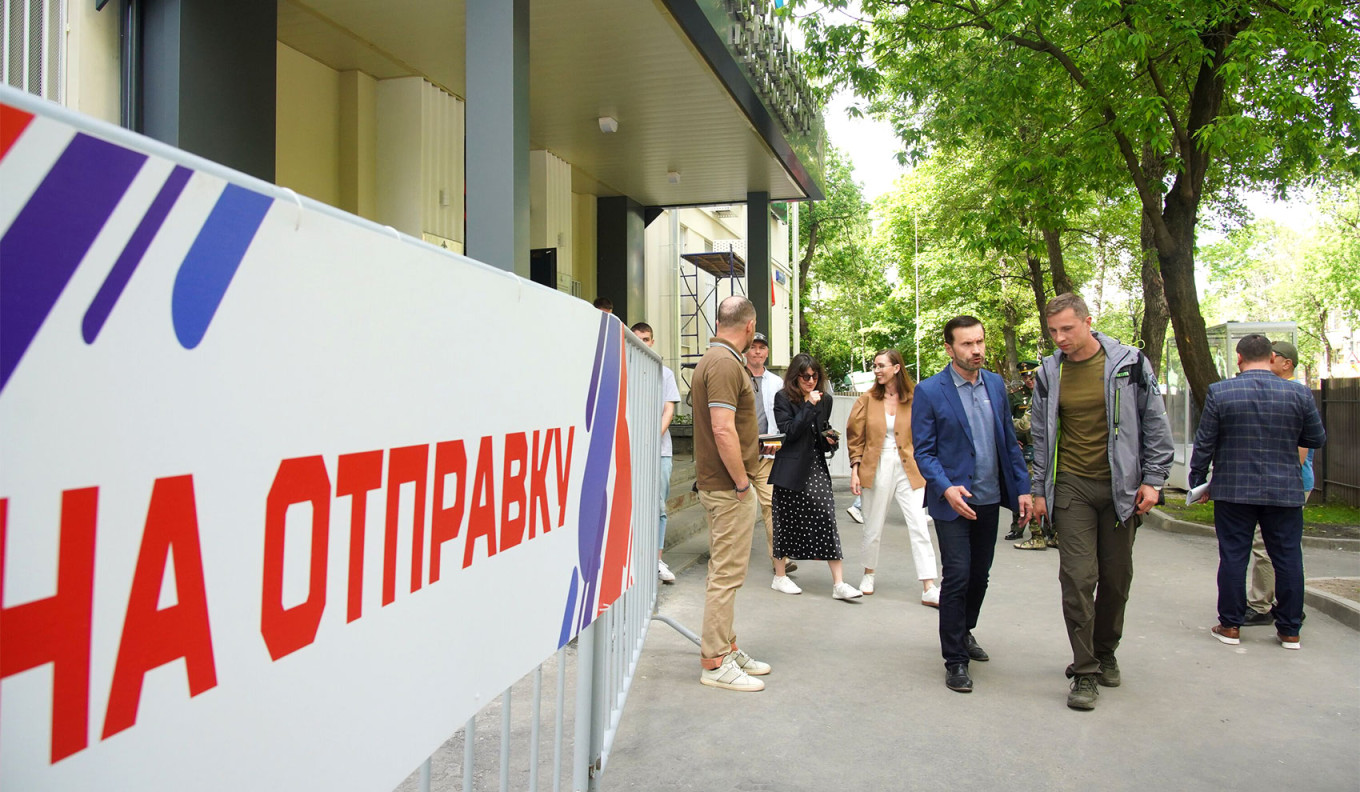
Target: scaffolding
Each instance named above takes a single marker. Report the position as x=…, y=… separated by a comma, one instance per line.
x=696, y=324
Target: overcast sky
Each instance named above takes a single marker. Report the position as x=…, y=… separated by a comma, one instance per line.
x=872, y=147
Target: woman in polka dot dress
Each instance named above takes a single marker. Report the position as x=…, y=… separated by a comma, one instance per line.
x=804, y=508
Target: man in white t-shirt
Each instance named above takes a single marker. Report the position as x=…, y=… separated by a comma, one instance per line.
x=670, y=396
x=766, y=384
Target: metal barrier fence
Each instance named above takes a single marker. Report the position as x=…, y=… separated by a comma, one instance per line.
x=603, y=656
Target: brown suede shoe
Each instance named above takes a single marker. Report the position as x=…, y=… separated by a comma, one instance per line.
x=1228, y=635
x=1287, y=641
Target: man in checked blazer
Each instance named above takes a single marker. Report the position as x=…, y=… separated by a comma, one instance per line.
x=1251, y=429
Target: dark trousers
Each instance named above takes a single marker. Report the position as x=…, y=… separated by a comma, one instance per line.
x=1282, y=532
x=966, y=550
x=1095, y=567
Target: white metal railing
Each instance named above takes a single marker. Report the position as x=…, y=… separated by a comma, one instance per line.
x=604, y=655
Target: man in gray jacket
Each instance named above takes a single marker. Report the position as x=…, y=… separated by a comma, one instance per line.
x=1102, y=451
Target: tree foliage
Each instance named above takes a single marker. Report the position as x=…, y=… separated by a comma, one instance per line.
x=1183, y=99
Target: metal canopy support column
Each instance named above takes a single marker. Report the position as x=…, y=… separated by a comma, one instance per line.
x=497, y=136
x=758, y=257
x=620, y=254
x=207, y=80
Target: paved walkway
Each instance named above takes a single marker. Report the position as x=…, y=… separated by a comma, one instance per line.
x=857, y=701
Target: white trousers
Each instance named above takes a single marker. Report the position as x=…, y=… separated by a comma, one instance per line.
x=891, y=484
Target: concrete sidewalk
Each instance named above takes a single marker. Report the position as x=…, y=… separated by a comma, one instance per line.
x=857, y=699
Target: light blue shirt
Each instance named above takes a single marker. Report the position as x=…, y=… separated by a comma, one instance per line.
x=977, y=405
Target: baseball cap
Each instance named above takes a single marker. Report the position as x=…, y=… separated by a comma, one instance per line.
x=1286, y=350
x=760, y=339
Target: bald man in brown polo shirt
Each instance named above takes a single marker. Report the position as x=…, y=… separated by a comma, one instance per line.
x=726, y=456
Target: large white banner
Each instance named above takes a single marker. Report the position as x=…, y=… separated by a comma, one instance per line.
x=284, y=498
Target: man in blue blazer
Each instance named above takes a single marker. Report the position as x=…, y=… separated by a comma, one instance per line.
x=966, y=449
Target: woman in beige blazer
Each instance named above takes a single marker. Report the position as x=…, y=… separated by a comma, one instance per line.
x=883, y=467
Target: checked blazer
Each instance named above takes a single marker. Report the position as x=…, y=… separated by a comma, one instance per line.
x=1251, y=429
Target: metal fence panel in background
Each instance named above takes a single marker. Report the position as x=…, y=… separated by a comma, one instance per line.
x=1337, y=465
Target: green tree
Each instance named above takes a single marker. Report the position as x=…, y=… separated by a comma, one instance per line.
x=832, y=235
x=1220, y=93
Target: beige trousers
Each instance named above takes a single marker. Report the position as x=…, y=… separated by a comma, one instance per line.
x=765, y=493
x=730, y=523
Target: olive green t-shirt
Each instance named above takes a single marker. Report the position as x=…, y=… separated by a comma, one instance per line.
x=1084, y=431
x=721, y=381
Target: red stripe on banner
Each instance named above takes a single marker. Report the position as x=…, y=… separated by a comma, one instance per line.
x=13, y=122
x=617, y=550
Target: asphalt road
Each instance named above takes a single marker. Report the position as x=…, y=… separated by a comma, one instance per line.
x=857, y=701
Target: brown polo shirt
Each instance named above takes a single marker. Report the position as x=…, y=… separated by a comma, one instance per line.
x=722, y=381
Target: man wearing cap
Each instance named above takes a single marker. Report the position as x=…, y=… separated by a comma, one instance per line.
x=1250, y=430
x=1020, y=399
x=1284, y=359
x=766, y=384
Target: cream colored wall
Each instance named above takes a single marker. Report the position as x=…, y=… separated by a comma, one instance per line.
x=551, y=215
x=359, y=144
x=781, y=311
x=583, y=255
x=307, y=143
x=92, y=60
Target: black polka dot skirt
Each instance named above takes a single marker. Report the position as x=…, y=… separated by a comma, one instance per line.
x=805, y=522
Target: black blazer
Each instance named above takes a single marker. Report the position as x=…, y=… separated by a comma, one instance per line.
x=803, y=445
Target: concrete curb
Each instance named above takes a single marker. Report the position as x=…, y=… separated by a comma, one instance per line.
x=1339, y=608
x=1159, y=520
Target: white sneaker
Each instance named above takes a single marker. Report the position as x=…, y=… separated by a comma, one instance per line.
x=845, y=591
x=931, y=597
x=748, y=663
x=785, y=585
x=866, y=585
x=729, y=676
x=856, y=514
x=664, y=572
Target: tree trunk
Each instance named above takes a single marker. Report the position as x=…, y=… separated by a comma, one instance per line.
x=1061, y=283
x=1036, y=281
x=1156, y=314
x=1178, y=275
x=1012, y=362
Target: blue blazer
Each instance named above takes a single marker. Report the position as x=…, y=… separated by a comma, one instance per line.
x=944, y=442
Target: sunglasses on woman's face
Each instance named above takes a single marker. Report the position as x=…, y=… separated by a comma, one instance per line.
x=808, y=377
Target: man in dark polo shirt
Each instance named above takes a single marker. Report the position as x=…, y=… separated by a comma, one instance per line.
x=726, y=458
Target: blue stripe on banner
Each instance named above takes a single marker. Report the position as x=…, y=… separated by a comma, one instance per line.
x=42, y=248
x=212, y=261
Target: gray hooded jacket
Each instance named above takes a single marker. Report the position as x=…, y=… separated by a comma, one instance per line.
x=1140, y=448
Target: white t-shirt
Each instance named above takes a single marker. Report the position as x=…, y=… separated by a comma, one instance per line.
x=669, y=393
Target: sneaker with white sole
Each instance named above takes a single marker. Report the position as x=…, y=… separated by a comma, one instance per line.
x=845, y=591
x=748, y=663
x=866, y=585
x=856, y=514
x=729, y=676
x=785, y=585
x=1228, y=635
x=1287, y=641
x=664, y=573
x=931, y=597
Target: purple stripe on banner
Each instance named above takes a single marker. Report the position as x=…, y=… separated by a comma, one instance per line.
x=595, y=372
x=594, y=508
x=127, y=262
x=47, y=241
x=212, y=261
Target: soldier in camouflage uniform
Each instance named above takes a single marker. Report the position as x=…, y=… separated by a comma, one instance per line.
x=1041, y=532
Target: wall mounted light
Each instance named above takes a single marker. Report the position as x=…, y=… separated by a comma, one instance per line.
x=673, y=177
x=609, y=124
